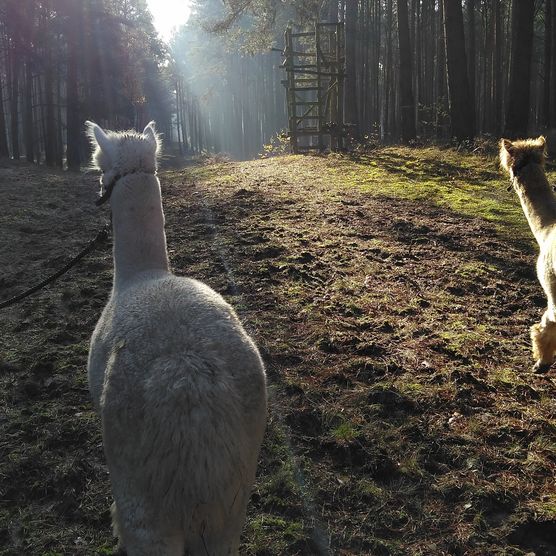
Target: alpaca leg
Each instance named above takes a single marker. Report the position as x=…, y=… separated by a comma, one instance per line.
x=142, y=545
x=215, y=544
x=120, y=548
x=543, y=337
x=138, y=536
x=219, y=534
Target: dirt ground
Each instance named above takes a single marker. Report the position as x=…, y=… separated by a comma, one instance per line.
x=404, y=419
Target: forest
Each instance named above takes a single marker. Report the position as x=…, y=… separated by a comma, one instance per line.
x=414, y=70
x=235, y=348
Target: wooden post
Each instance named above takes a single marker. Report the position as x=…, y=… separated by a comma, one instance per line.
x=333, y=95
x=340, y=61
x=291, y=89
x=320, y=123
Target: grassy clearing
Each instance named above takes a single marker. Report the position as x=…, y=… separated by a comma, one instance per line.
x=406, y=280
x=390, y=296
x=468, y=184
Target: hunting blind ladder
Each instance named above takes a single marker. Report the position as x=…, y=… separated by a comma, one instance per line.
x=314, y=62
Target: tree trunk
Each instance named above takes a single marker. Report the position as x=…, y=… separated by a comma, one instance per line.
x=179, y=125
x=498, y=67
x=73, y=120
x=28, y=113
x=488, y=68
x=72, y=115
x=388, y=87
x=375, y=65
x=552, y=86
x=50, y=141
x=350, y=85
x=59, y=153
x=406, y=92
x=4, y=150
x=552, y=92
x=440, y=89
x=417, y=74
x=472, y=62
x=461, y=109
x=14, y=102
x=517, y=114
x=548, y=48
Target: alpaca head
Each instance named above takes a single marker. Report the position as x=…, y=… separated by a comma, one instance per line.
x=119, y=153
x=515, y=155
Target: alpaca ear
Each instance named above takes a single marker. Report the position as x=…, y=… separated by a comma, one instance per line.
x=98, y=137
x=541, y=140
x=150, y=134
x=150, y=131
x=508, y=146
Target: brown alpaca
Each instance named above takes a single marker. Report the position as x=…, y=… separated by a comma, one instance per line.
x=524, y=161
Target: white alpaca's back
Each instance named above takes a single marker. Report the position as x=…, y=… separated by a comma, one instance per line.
x=179, y=385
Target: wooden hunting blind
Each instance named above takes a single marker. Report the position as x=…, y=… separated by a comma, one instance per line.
x=315, y=66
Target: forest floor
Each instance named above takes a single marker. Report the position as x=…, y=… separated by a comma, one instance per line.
x=391, y=296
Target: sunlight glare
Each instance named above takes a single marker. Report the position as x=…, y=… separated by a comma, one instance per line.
x=168, y=14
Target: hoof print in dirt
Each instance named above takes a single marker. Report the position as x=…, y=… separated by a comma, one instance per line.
x=370, y=349
x=306, y=423
x=7, y=367
x=293, y=390
x=328, y=345
x=244, y=193
x=338, y=379
x=391, y=401
x=538, y=536
x=466, y=377
x=525, y=392
x=30, y=389
x=469, y=398
x=304, y=257
x=43, y=367
x=267, y=252
x=373, y=461
x=231, y=290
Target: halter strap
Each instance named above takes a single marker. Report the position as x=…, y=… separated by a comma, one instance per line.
x=110, y=187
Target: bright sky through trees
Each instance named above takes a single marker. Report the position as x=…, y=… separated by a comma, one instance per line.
x=168, y=14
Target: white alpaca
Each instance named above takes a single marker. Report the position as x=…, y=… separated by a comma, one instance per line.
x=179, y=385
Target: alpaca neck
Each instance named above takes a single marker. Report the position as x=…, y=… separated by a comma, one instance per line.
x=537, y=200
x=138, y=224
